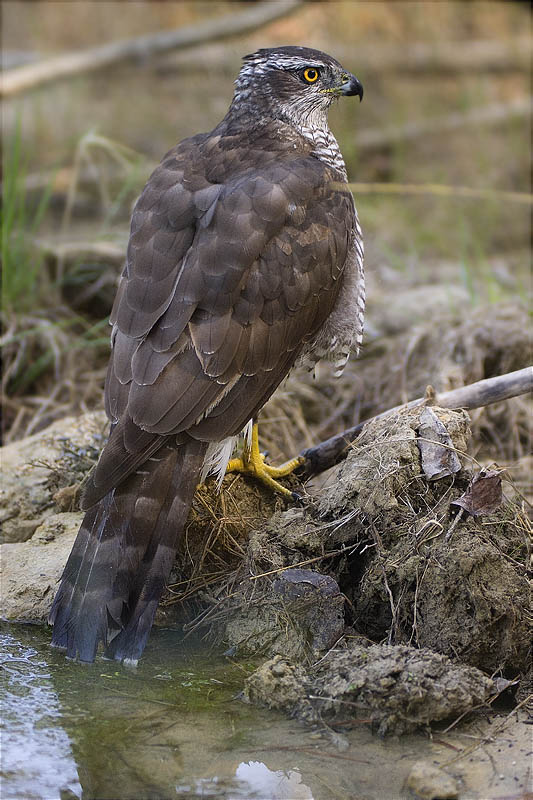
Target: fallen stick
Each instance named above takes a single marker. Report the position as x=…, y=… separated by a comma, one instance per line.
x=438, y=59
x=69, y=65
x=442, y=58
x=69, y=252
x=492, y=114
x=482, y=393
x=440, y=190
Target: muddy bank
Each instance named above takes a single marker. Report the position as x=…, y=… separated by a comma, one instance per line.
x=385, y=551
x=136, y=739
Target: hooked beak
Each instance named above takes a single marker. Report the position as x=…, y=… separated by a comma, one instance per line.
x=351, y=87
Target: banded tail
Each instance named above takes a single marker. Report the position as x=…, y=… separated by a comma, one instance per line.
x=122, y=557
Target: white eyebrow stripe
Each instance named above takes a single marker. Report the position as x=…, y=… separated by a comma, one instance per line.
x=290, y=61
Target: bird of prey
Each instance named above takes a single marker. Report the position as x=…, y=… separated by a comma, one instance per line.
x=244, y=258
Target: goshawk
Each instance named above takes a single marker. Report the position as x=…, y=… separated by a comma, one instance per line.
x=244, y=258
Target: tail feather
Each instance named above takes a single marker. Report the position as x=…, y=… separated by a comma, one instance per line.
x=122, y=557
x=151, y=577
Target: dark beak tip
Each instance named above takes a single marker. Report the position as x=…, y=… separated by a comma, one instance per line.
x=353, y=87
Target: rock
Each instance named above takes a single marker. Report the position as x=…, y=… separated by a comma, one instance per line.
x=395, y=689
x=298, y=615
x=31, y=570
x=278, y=684
x=316, y=601
x=438, y=456
x=34, y=468
x=432, y=783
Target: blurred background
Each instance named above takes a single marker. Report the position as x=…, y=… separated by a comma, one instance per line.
x=439, y=154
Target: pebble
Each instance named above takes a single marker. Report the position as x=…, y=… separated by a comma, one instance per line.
x=432, y=783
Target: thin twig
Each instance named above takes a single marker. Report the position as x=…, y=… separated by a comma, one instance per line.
x=494, y=731
x=302, y=563
x=441, y=190
x=492, y=114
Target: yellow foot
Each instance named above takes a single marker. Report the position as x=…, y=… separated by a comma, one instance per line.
x=252, y=462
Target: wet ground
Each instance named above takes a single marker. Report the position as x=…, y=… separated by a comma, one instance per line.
x=172, y=728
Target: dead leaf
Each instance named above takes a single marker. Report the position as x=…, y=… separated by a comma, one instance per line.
x=483, y=496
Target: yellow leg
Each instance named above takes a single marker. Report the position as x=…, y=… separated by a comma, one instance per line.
x=252, y=462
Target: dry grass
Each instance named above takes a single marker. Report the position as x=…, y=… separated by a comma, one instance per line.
x=55, y=361
x=214, y=544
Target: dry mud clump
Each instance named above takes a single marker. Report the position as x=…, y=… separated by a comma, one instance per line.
x=395, y=689
x=411, y=572
x=465, y=598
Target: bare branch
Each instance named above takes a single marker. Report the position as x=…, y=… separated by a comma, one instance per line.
x=443, y=58
x=69, y=252
x=418, y=58
x=493, y=114
x=441, y=190
x=68, y=65
x=482, y=393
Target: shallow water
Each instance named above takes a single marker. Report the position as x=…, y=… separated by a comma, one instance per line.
x=172, y=728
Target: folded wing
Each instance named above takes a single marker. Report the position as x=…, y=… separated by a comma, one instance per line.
x=224, y=285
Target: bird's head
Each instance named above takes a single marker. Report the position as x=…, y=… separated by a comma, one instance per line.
x=293, y=83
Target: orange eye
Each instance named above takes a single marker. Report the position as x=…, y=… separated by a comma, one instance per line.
x=310, y=75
